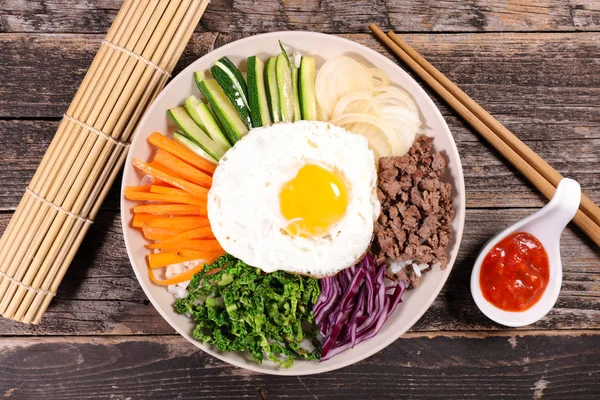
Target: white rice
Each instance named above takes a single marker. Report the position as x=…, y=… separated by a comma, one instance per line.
x=178, y=290
x=409, y=267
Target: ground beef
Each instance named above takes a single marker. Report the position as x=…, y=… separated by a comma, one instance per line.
x=416, y=208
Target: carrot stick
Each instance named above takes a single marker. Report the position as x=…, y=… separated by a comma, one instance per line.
x=198, y=245
x=159, y=260
x=184, y=276
x=183, y=199
x=137, y=189
x=168, y=190
x=158, y=181
x=173, y=165
x=163, y=142
x=151, y=235
x=180, y=223
x=160, y=233
x=190, y=187
x=140, y=219
x=198, y=233
x=166, y=209
x=196, y=255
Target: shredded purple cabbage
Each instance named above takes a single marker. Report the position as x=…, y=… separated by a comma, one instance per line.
x=354, y=305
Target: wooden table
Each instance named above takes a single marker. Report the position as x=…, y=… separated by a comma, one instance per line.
x=535, y=65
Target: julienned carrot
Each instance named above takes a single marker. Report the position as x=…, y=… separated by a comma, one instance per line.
x=180, y=199
x=195, y=244
x=137, y=189
x=151, y=235
x=140, y=219
x=160, y=233
x=167, y=209
x=196, y=254
x=181, y=223
x=198, y=233
x=190, y=187
x=177, y=167
x=159, y=182
x=182, y=152
x=168, y=190
x=159, y=260
x=184, y=276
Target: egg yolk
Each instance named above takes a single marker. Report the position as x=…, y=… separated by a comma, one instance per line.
x=313, y=200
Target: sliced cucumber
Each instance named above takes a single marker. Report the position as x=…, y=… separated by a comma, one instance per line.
x=308, y=101
x=204, y=118
x=271, y=88
x=200, y=76
x=285, y=87
x=192, y=106
x=226, y=114
x=297, y=111
x=233, y=84
x=183, y=120
x=257, y=95
x=190, y=144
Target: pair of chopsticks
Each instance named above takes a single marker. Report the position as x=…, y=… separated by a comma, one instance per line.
x=532, y=166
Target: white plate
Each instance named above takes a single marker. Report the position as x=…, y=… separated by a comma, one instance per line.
x=322, y=47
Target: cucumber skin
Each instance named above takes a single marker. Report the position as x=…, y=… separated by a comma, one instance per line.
x=219, y=150
x=189, y=104
x=236, y=72
x=216, y=132
x=256, y=89
x=271, y=87
x=296, y=84
x=232, y=135
x=308, y=100
x=193, y=146
x=231, y=91
x=285, y=88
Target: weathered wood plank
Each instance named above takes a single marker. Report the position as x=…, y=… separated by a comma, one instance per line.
x=540, y=78
x=100, y=294
x=75, y=16
x=167, y=367
x=490, y=181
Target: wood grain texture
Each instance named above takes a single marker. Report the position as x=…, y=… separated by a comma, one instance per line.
x=100, y=294
x=101, y=338
x=167, y=367
x=549, y=100
x=332, y=16
x=490, y=181
x=535, y=77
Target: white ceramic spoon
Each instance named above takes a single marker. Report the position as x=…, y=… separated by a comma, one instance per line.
x=547, y=225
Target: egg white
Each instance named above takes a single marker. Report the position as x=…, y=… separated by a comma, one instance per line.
x=243, y=202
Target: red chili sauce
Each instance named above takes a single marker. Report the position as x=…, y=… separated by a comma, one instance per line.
x=515, y=273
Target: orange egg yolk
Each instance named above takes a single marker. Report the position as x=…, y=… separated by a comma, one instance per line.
x=313, y=200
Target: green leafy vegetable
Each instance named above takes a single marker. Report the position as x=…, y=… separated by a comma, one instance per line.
x=237, y=307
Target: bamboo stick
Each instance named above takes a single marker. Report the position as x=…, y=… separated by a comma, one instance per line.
x=48, y=162
x=80, y=165
x=170, y=61
x=37, y=230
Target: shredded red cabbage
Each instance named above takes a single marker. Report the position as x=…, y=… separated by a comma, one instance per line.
x=354, y=305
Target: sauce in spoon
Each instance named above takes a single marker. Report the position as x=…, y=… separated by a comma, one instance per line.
x=515, y=272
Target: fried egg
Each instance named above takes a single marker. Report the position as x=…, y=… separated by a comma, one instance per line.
x=298, y=197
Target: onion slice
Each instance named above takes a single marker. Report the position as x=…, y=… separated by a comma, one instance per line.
x=363, y=101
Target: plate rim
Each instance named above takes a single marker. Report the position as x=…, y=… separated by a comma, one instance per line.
x=377, y=346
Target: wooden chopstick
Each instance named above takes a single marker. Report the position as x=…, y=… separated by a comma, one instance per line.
x=537, y=162
x=458, y=99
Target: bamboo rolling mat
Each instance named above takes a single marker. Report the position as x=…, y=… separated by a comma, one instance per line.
x=60, y=203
